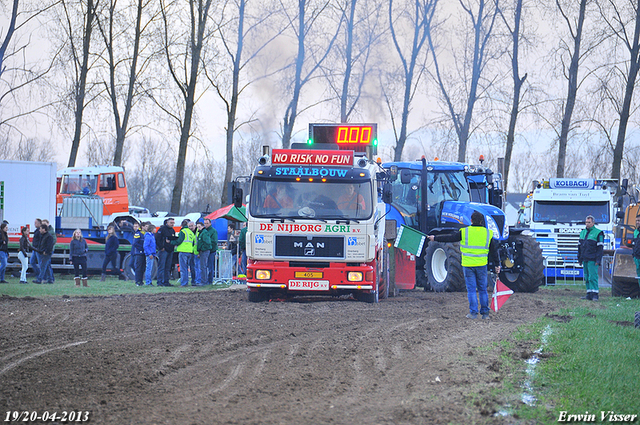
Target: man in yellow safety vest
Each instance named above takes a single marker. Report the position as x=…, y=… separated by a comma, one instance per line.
x=185, y=245
x=476, y=244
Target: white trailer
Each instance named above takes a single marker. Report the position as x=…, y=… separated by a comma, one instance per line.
x=29, y=192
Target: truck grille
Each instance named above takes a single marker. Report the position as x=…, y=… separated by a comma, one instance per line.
x=309, y=246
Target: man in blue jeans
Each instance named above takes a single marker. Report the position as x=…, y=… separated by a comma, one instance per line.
x=46, y=249
x=476, y=244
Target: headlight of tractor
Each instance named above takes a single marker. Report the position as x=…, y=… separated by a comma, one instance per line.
x=505, y=232
x=491, y=225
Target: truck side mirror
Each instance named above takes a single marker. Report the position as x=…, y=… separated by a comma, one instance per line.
x=237, y=196
x=387, y=193
x=405, y=176
x=620, y=214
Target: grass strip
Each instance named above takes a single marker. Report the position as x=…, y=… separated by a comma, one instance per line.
x=590, y=364
x=65, y=285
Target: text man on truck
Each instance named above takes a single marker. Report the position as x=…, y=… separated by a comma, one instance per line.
x=316, y=218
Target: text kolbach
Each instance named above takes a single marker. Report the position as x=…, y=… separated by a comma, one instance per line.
x=290, y=156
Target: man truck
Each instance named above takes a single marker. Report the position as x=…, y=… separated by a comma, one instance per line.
x=316, y=218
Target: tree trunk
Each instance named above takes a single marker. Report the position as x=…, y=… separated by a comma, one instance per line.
x=348, y=54
x=122, y=128
x=292, y=110
x=517, y=86
x=233, y=107
x=82, y=83
x=632, y=75
x=572, y=91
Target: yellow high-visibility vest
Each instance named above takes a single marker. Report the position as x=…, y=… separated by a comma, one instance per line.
x=189, y=240
x=475, y=246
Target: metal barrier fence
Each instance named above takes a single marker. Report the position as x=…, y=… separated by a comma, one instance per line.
x=566, y=270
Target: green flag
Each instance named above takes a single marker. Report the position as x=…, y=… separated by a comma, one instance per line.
x=410, y=240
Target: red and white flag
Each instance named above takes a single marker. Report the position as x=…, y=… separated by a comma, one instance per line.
x=501, y=294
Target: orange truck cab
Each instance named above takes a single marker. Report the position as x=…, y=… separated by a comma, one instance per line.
x=107, y=182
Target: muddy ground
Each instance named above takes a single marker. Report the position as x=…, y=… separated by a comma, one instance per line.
x=211, y=357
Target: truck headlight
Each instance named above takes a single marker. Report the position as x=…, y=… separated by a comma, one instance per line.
x=263, y=274
x=354, y=276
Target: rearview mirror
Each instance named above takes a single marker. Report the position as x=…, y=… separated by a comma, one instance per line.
x=387, y=193
x=405, y=176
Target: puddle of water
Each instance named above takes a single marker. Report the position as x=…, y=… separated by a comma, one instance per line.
x=528, y=397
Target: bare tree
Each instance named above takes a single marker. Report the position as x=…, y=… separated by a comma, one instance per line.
x=621, y=18
x=186, y=76
x=17, y=75
x=518, y=81
x=308, y=14
x=80, y=62
x=113, y=28
x=482, y=17
x=416, y=17
x=234, y=32
x=148, y=181
x=349, y=65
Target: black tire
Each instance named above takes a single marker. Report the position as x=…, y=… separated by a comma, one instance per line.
x=637, y=320
x=383, y=274
x=532, y=275
x=625, y=287
x=129, y=270
x=443, y=267
x=255, y=297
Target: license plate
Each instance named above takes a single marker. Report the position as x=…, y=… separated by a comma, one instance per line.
x=309, y=275
x=309, y=285
x=570, y=272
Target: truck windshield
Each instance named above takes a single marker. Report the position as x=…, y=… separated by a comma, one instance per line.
x=570, y=211
x=338, y=200
x=78, y=184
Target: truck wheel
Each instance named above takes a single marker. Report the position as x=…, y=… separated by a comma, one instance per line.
x=625, y=287
x=443, y=267
x=532, y=275
x=255, y=297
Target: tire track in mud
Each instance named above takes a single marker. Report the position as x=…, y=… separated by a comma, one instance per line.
x=16, y=363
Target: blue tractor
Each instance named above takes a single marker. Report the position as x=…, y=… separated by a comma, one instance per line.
x=438, y=197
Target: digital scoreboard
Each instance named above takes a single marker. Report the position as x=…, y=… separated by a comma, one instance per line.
x=355, y=137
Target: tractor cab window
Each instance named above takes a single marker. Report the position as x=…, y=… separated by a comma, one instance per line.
x=78, y=184
x=446, y=186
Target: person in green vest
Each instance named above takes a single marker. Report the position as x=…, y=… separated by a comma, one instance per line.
x=590, y=249
x=204, y=249
x=476, y=246
x=185, y=247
